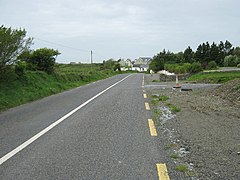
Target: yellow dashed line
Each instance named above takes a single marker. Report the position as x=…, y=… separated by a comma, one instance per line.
x=162, y=172
x=144, y=91
x=147, y=106
x=145, y=96
x=152, y=128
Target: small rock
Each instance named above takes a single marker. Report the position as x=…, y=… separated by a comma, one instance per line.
x=238, y=153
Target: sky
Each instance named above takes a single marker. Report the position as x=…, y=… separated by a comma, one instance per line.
x=123, y=28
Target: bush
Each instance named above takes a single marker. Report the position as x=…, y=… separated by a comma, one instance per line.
x=7, y=74
x=212, y=65
x=20, y=68
x=44, y=59
x=195, y=67
x=238, y=65
x=231, y=61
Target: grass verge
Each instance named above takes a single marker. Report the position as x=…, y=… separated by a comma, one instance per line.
x=34, y=85
x=215, y=77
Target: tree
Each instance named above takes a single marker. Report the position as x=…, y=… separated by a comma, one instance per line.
x=112, y=65
x=188, y=55
x=230, y=61
x=178, y=69
x=158, y=62
x=195, y=67
x=199, y=53
x=236, y=52
x=212, y=65
x=228, y=49
x=12, y=43
x=203, y=54
x=43, y=59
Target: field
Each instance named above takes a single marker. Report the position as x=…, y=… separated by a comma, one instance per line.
x=37, y=84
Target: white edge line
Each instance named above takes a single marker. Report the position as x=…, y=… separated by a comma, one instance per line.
x=35, y=137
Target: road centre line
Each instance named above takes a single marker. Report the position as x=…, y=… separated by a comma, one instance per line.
x=147, y=106
x=38, y=135
x=162, y=172
x=152, y=127
x=145, y=96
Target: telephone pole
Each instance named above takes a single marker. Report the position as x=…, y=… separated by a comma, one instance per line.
x=91, y=57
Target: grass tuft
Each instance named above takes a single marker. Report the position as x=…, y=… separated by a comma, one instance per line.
x=181, y=168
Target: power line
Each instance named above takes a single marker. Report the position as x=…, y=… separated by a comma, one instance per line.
x=73, y=48
x=77, y=49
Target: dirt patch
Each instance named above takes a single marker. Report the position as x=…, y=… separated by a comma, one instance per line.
x=206, y=130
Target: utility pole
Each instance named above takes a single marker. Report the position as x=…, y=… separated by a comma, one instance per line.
x=91, y=57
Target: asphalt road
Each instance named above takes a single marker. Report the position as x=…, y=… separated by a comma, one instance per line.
x=108, y=138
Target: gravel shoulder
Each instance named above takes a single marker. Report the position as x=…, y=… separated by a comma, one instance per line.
x=205, y=134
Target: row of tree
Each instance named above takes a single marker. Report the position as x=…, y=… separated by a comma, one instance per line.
x=209, y=56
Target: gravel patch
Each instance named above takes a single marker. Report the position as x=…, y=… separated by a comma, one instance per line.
x=205, y=134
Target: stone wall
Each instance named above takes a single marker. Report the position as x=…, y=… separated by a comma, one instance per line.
x=165, y=78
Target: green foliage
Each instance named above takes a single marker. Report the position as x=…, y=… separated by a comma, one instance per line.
x=37, y=84
x=183, y=68
x=20, y=68
x=188, y=55
x=25, y=56
x=163, y=98
x=7, y=74
x=204, y=54
x=174, y=156
x=212, y=65
x=112, y=65
x=156, y=65
x=44, y=59
x=117, y=67
x=238, y=66
x=181, y=168
x=12, y=43
x=174, y=109
x=215, y=77
x=236, y=52
x=231, y=61
x=195, y=67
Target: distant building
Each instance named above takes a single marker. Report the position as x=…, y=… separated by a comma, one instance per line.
x=139, y=67
x=141, y=64
x=143, y=60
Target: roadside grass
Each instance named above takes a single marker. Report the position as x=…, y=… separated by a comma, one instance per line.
x=156, y=114
x=214, y=77
x=163, y=98
x=175, y=109
x=154, y=102
x=174, y=156
x=34, y=85
x=181, y=168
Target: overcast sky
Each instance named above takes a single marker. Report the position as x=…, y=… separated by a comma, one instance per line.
x=123, y=28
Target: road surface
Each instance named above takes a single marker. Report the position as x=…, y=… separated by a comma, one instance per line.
x=101, y=131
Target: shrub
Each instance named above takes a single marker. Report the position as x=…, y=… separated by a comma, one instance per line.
x=195, y=67
x=212, y=65
x=238, y=65
x=20, y=68
x=44, y=59
x=7, y=74
x=230, y=61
